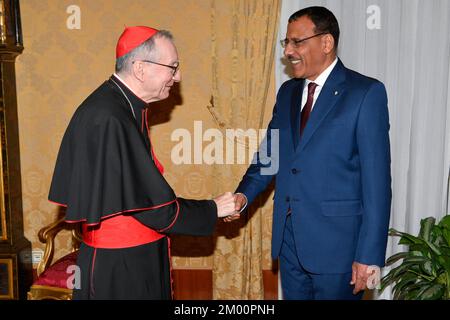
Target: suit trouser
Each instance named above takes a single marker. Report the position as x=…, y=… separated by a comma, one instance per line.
x=300, y=284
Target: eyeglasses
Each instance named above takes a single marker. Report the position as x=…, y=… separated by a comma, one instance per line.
x=174, y=68
x=296, y=42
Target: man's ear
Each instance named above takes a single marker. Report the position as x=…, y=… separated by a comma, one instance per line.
x=328, y=43
x=138, y=70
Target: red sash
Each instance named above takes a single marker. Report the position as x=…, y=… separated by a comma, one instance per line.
x=119, y=232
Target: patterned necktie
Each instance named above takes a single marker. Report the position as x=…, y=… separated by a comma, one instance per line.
x=307, y=108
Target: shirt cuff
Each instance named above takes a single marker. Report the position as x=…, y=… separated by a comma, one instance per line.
x=246, y=202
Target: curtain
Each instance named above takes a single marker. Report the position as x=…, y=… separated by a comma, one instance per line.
x=243, y=38
x=404, y=44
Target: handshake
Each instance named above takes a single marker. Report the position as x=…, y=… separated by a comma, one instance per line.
x=230, y=205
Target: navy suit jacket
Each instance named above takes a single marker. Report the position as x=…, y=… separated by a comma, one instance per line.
x=335, y=178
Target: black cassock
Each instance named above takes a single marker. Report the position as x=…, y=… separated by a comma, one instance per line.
x=104, y=168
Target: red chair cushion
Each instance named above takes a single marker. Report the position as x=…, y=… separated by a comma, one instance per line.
x=56, y=275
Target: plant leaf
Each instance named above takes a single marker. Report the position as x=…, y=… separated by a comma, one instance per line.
x=434, y=292
x=437, y=236
x=445, y=222
x=416, y=259
x=420, y=289
x=434, y=248
x=427, y=267
x=408, y=239
x=405, y=238
x=410, y=291
x=424, y=269
x=408, y=279
x=425, y=228
x=399, y=272
x=396, y=257
x=446, y=235
x=421, y=249
x=444, y=261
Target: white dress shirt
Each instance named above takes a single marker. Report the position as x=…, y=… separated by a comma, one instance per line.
x=320, y=81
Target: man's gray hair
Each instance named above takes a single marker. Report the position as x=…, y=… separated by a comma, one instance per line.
x=146, y=51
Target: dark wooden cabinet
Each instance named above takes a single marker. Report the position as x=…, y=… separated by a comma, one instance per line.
x=15, y=249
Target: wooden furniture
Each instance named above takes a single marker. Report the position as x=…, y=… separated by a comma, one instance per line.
x=15, y=249
x=54, y=279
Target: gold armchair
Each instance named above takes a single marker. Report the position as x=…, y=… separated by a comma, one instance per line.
x=51, y=282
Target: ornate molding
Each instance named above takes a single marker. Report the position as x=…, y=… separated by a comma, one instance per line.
x=10, y=24
x=13, y=243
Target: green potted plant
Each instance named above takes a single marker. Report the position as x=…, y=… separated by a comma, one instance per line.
x=424, y=272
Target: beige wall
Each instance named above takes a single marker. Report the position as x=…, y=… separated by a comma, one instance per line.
x=60, y=67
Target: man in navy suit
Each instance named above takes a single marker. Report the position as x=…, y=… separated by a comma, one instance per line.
x=333, y=187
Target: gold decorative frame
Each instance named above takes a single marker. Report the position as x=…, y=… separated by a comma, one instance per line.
x=3, y=230
x=9, y=276
x=2, y=23
x=16, y=273
x=38, y=292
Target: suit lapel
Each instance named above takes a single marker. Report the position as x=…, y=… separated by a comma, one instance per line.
x=296, y=101
x=329, y=95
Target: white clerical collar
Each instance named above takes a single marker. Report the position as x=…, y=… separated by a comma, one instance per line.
x=123, y=82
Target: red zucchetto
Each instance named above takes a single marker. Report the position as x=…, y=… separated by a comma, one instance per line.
x=132, y=37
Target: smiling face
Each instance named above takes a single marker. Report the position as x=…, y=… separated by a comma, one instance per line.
x=157, y=79
x=311, y=57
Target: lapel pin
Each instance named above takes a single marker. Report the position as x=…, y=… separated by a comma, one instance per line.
x=336, y=93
